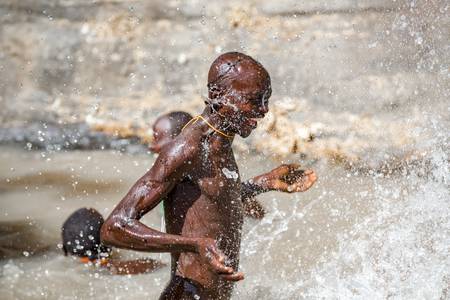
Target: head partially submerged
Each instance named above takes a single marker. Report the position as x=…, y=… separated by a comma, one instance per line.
x=239, y=88
x=81, y=234
x=167, y=127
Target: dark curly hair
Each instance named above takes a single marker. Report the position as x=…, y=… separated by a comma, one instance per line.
x=81, y=234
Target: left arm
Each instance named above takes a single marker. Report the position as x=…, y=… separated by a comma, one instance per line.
x=285, y=178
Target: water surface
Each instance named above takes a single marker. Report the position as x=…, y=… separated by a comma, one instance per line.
x=351, y=236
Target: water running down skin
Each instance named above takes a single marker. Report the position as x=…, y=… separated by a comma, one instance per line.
x=207, y=223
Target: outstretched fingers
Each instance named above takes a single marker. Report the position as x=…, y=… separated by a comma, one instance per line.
x=285, y=169
x=307, y=179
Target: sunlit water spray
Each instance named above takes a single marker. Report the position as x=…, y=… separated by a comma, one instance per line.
x=398, y=249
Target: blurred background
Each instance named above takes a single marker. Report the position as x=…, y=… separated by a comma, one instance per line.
x=351, y=79
x=360, y=93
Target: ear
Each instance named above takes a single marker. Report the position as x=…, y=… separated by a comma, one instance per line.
x=220, y=102
x=212, y=102
x=214, y=99
x=215, y=104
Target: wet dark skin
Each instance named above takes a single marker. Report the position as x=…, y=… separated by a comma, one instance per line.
x=207, y=228
x=167, y=127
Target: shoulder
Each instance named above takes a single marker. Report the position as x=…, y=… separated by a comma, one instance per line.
x=176, y=158
x=182, y=148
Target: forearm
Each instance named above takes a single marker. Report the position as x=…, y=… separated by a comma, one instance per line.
x=253, y=187
x=132, y=234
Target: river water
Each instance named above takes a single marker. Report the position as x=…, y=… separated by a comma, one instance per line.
x=352, y=236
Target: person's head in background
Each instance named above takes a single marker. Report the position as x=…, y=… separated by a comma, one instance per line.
x=81, y=235
x=167, y=127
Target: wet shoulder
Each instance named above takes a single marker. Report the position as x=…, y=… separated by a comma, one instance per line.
x=186, y=147
x=177, y=158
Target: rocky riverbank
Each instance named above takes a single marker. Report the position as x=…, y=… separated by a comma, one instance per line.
x=356, y=82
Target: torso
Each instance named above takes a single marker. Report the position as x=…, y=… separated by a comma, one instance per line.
x=207, y=204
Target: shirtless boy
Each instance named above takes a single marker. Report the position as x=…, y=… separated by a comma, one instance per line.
x=205, y=229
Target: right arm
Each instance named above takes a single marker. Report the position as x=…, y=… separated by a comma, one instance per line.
x=123, y=227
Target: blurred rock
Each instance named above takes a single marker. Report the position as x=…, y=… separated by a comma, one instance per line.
x=73, y=136
x=287, y=7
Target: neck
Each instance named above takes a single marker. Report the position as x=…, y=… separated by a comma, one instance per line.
x=218, y=122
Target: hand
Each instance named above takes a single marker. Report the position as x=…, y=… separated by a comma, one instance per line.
x=211, y=255
x=290, y=179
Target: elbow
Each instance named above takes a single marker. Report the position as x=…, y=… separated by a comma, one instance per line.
x=111, y=231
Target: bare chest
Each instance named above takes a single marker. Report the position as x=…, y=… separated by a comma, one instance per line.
x=218, y=175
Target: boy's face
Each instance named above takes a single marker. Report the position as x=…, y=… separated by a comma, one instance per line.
x=161, y=134
x=243, y=107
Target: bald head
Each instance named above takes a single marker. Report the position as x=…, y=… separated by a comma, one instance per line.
x=239, y=89
x=236, y=71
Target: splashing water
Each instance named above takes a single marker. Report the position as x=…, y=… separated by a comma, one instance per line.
x=402, y=251
x=230, y=174
x=398, y=250
x=351, y=236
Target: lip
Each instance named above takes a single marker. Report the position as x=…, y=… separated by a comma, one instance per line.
x=253, y=122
